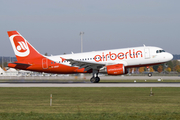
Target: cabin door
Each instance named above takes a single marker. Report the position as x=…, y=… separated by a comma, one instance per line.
x=147, y=53
x=45, y=63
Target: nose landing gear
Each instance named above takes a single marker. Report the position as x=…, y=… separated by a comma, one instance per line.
x=149, y=74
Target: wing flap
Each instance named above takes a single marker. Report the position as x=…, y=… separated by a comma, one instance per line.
x=85, y=64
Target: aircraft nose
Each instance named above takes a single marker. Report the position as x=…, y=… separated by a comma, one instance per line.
x=170, y=56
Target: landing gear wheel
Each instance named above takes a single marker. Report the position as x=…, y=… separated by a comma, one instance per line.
x=95, y=79
x=149, y=74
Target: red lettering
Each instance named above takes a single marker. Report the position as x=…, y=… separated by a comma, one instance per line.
x=112, y=55
x=106, y=56
x=133, y=53
x=138, y=52
x=126, y=55
x=130, y=54
x=96, y=58
x=103, y=56
x=121, y=55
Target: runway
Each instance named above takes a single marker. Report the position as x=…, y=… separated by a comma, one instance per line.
x=89, y=84
x=71, y=82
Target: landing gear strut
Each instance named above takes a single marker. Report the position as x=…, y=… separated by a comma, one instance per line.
x=95, y=79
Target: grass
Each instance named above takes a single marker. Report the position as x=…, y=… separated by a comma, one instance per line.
x=89, y=103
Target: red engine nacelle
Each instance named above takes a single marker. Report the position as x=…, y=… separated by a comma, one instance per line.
x=117, y=69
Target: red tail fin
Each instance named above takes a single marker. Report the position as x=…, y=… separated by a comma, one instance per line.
x=22, y=49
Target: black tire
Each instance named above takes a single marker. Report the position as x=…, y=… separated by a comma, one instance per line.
x=93, y=80
x=149, y=74
x=97, y=79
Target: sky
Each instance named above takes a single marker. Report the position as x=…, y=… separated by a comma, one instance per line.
x=53, y=26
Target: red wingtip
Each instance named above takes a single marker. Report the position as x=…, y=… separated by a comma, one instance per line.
x=12, y=33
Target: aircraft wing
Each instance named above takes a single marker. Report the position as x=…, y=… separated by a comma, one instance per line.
x=85, y=64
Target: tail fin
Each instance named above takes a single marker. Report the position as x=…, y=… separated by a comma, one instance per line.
x=22, y=49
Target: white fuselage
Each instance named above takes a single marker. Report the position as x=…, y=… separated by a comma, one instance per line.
x=137, y=56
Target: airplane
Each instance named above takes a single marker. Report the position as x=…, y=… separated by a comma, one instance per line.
x=114, y=61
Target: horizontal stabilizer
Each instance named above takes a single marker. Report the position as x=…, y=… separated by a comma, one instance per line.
x=22, y=64
x=19, y=65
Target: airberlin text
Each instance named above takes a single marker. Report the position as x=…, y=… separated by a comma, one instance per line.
x=121, y=55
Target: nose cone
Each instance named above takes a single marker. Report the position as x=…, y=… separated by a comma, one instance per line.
x=169, y=56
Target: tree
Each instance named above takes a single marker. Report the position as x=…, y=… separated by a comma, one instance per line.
x=46, y=54
x=132, y=70
x=168, y=69
x=151, y=69
x=175, y=64
x=155, y=67
x=170, y=64
x=177, y=68
x=160, y=68
x=141, y=69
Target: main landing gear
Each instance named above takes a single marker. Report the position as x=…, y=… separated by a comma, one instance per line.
x=95, y=79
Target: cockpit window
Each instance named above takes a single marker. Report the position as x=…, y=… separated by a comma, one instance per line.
x=159, y=51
